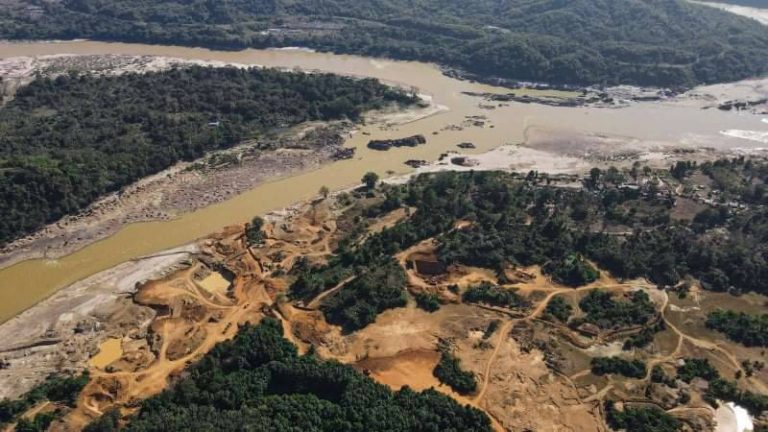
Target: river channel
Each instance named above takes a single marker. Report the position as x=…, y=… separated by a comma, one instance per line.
x=26, y=283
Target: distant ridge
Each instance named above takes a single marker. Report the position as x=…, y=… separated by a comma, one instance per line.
x=670, y=43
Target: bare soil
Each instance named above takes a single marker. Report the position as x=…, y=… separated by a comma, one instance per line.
x=529, y=364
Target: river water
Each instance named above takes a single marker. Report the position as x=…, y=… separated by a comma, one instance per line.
x=26, y=283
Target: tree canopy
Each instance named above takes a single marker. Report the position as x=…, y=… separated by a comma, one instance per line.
x=69, y=140
x=749, y=330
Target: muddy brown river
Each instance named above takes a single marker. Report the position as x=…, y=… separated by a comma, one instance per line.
x=26, y=283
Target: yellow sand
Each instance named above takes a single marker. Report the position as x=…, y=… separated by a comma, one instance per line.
x=215, y=283
x=109, y=351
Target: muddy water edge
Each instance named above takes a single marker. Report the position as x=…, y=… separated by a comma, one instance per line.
x=28, y=282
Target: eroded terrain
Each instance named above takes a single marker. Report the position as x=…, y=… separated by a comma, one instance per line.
x=524, y=360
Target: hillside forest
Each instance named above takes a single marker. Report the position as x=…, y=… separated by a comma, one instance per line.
x=672, y=43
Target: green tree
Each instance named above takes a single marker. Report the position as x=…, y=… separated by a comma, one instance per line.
x=450, y=373
x=254, y=232
x=370, y=179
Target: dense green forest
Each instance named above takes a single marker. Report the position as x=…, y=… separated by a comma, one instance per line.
x=258, y=382
x=749, y=330
x=67, y=141
x=646, y=42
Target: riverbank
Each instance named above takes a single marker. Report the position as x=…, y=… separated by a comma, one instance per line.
x=759, y=15
x=187, y=186
x=545, y=135
x=61, y=333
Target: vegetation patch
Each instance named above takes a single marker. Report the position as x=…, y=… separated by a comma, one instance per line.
x=559, y=309
x=254, y=232
x=450, y=373
x=722, y=389
x=749, y=330
x=491, y=329
x=427, y=302
x=606, y=312
x=619, y=366
x=378, y=288
x=640, y=419
x=494, y=295
x=697, y=368
x=573, y=271
x=643, y=338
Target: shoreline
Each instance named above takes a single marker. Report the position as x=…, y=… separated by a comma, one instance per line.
x=151, y=199
x=68, y=317
x=470, y=119
x=54, y=240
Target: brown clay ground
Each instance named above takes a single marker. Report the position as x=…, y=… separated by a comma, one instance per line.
x=532, y=373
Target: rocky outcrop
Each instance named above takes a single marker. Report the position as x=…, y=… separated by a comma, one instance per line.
x=463, y=161
x=343, y=153
x=740, y=105
x=385, y=145
x=416, y=163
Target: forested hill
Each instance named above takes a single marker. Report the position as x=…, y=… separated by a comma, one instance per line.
x=646, y=42
x=67, y=141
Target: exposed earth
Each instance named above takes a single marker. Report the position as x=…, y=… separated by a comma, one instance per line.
x=135, y=334
x=137, y=326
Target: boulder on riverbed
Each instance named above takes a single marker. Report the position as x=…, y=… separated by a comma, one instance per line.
x=385, y=145
x=416, y=163
x=463, y=161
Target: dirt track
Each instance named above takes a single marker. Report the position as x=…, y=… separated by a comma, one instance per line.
x=400, y=348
